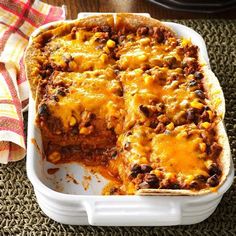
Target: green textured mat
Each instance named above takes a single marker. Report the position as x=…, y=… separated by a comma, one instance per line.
x=21, y=215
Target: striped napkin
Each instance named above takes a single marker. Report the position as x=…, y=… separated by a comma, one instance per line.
x=18, y=19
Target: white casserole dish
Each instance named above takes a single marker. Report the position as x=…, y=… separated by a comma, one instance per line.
x=62, y=196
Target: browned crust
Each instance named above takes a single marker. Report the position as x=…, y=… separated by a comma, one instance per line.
x=132, y=22
x=32, y=53
x=214, y=90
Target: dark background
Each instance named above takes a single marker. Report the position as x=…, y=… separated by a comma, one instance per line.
x=75, y=6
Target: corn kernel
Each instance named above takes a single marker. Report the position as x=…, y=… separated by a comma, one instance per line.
x=144, y=41
x=54, y=157
x=111, y=43
x=202, y=147
x=72, y=121
x=205, y=125
x=72, y=65
x=129, y=36
x=148, y=79
x=106, y=50
x=78, y=35
x=210, y=114
x=143, y=160
x=130, y=188
x=86, y=130
x=170, y=126
x=97, y=34
x=218, y=102
x=190, y=77
x=138, y=71
x=189, y=179
x=142, y=57
x=181, y=135
x=185, y=42
x=169, y=175
x=208, y=163
x=196, y=104
x=104, y=57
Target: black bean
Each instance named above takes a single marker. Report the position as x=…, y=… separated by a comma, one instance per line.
x=201, y=178
x=55, y=97
x=214, y=169
x=200, y=93
x=198, y=75
x=92, y=116
x=145, y=168
x=61, y=92
x=144, y=185
x=115, y=38
x=152, y=180
x=136, y=167
x=74, y=131
x=174, y=186
x=101, y=40
x=121, y=38
x=191, y=114
x=213, y=181
x=120, y=92
x=144, y=110
x=193, y=83
x=194, y=185
x=135, y=170
x=43, y=110
x=87, y=124
x=114, y=154
x=153, y=124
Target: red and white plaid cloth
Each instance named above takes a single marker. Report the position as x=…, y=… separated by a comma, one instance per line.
x=18, y=19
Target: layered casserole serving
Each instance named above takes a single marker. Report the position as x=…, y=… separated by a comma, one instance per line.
x=131, y=100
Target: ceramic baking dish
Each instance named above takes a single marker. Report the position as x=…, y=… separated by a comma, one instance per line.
x=71, y=195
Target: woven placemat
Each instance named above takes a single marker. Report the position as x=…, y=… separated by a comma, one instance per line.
x=21, y=215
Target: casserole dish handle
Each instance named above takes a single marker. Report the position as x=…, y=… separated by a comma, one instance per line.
x=149, y=212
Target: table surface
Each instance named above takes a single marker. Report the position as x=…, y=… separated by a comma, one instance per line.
x=75, y=6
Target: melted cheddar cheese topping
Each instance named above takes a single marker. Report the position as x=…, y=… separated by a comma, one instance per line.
x=94, y=91
x=86, y=52
x=133, y=105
